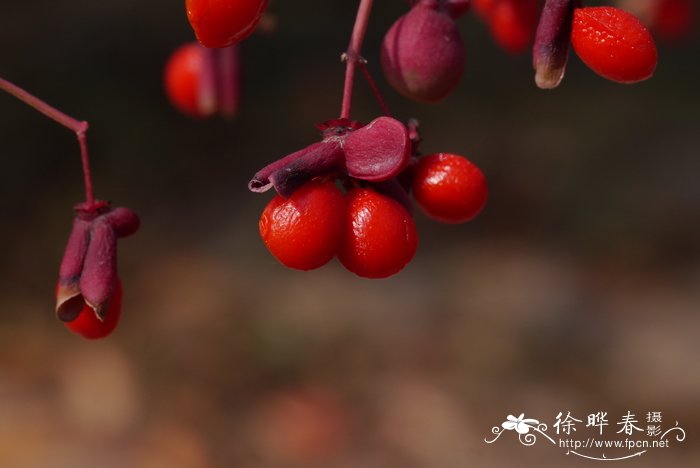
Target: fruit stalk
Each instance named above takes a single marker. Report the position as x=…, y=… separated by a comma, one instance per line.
x=375, y=90
x=78, y=126
x=352, y=57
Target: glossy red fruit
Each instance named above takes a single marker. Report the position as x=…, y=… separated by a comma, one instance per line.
x=304, y=230
x=183, y=78
x=379, y=235
x=449, y=188
x=221, y=23
x=614, y=44
x=89, y=326
x=422, y=54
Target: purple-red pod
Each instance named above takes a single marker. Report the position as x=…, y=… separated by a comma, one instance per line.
x=375, y=152
x=423, y=54
x=69, y=301
x=378, y=151
x=552, y=41
x=124, y=221
x=88, y=271
x=292, y=171
x=99, y=274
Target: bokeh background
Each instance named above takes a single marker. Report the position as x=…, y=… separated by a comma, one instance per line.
x=577, y=289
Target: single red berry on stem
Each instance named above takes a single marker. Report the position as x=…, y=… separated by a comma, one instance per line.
x=379, y=235
x=221, y=23
x=183, y=77
x=614, y=44
x=89, y=326
x=304, y=230
x=449, y=188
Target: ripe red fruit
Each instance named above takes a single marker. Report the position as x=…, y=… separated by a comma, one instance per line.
x=423, y=55
x=379, y=235
x=304, y=230
x=183, y=78
x=200, y=82
x=614, y=44
x=449, y=188
x=513, y=24
x=89, y=326
x=221, y=23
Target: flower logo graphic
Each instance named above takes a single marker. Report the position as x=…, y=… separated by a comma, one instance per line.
x=519, y=424
x=522, y=426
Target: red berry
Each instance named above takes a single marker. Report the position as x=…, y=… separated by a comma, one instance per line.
x=614, y=44
x=449, y=188
x=183, y=76
x=304, y=230
x=380, y=236
x=513, y=24
x=221, y=23
x=89, y=326
x=423, y=55
x=674, y=18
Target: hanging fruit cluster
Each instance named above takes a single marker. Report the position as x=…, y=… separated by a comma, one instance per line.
x=351, y=194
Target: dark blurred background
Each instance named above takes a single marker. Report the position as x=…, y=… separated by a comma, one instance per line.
x=577, y=289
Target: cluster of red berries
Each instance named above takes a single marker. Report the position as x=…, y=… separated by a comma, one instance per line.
x=370, y=229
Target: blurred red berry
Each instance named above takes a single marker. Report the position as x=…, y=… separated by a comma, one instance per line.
x=183, y=78
x=304, y=230
x=221, y=23
x=614, y=44
x=449, y=188
x=379, y=235
x=200, y=82
x=89, y=326
x=513, y=24
x=673, y=19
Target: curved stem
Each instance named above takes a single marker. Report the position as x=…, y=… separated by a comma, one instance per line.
x=375, y=89
x=78, y=126
x=352, y=56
